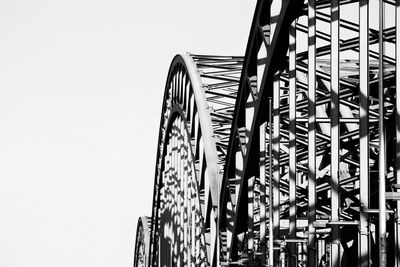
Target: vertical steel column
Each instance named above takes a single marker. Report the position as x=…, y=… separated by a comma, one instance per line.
x=174, y=209
x=335, y=25
x=312, y=170
x=193, y=185
x=238, y=173
x=363, y=243
x=271, y=193
x=238, y=177
x=170, y=193
x=276, y=150
x=292, y=144
x=397, y=222
x=250, y=216
x=179, y=185
x=184, y=193
x=262, y=191
x=199, y=249
x=382, y=148
x=192, y=216
x=178, y=210
x=185, y=177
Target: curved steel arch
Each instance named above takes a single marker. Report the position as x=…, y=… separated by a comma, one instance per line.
x=265, y=55
x=142, y=246
x=303, y=174
x=288, y=152
x=198, y=97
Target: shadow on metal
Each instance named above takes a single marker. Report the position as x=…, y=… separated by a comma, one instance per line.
x=289, y=156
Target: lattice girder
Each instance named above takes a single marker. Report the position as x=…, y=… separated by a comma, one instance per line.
x=292, y=159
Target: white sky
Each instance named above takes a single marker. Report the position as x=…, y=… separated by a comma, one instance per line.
x=81, y=86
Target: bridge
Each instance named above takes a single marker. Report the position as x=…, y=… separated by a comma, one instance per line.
x=288, y=156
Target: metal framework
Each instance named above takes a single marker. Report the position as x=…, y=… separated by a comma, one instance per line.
x=289, y=156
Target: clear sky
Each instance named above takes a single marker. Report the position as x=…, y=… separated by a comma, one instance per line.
x=81, y=86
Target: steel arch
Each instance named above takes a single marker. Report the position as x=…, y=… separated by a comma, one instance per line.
x=199, y=97
x=298, y=151
x=142, y=245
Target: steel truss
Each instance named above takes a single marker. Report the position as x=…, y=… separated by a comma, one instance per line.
x=289, y=156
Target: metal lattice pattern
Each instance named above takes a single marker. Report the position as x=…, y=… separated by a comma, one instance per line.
x=293, y=151
x=195, y=127
x=142, y=242
x=180, y=230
